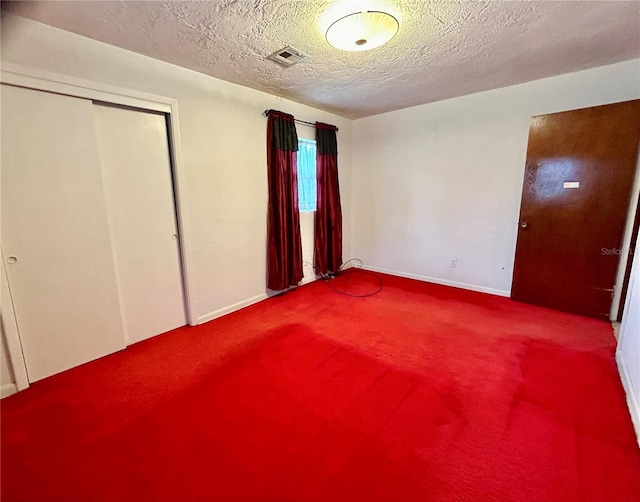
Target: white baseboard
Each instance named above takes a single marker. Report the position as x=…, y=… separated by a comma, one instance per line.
x=8, y=389
x=231, y=308
x=245, y=303
x=632, y=402
x=250, y=301
x=442, y=282
x=307, y=280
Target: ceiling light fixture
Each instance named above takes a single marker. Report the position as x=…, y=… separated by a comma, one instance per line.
x=362, y=31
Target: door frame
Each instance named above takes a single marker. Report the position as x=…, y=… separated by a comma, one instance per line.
x=29, y=78
x=12, y=336
x=627, y=248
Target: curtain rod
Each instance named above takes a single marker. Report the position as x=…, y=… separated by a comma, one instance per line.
x=312, y=124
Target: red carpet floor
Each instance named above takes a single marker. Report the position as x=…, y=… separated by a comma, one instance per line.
x=419, y=393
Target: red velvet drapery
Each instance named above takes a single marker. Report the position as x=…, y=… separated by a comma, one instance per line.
x=328, y=219
x=284, y=244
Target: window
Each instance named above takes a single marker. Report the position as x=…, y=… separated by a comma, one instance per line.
x=306, y=175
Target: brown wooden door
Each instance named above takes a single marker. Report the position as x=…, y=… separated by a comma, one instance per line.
x=578, y=178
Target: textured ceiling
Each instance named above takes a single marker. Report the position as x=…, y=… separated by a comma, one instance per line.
x=443, y=49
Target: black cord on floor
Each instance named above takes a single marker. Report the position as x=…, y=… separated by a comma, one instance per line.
x=332, y=275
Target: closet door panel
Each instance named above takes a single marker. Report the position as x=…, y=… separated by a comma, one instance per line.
x=136, y=172
x=55, y=233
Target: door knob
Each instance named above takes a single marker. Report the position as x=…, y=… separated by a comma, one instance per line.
x=524, y=224
x=12, y=259
x=174, y=237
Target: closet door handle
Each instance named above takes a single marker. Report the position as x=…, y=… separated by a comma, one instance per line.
x=12, y=259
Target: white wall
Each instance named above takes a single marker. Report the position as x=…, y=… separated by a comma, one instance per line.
x=223, y=135
x=444, y=180
x=628, y=353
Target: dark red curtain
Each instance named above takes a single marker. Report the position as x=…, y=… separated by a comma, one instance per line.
x=284, y=245
x=328, y=232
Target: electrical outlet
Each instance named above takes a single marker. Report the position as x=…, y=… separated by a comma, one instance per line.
x=454, y=262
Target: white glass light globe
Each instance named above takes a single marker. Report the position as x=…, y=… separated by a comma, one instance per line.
x=362, y=31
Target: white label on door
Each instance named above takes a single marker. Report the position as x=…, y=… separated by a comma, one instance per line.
x=571, y=184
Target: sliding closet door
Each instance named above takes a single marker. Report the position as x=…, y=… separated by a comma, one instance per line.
x=55, y=233
x=136, y=173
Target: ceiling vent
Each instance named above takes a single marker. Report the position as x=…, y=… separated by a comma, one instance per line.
x=288, y=56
